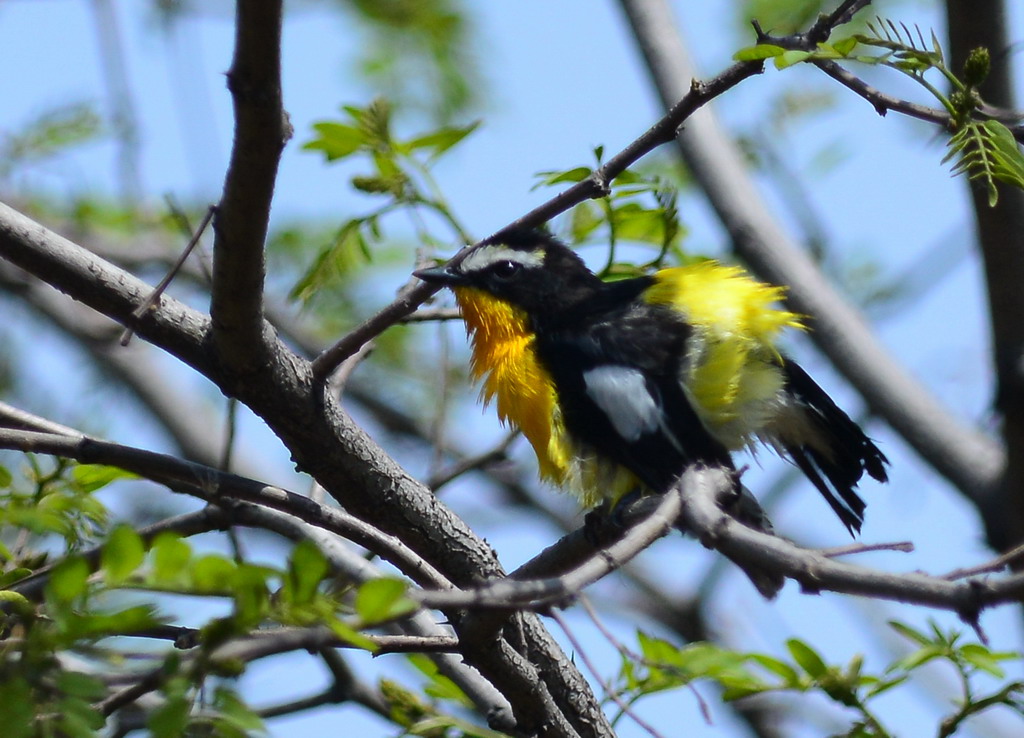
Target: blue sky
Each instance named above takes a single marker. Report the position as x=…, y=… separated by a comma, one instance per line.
x=562, y=78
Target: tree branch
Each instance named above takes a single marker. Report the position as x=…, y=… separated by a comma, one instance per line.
x=261, y=130
x=215, y=486
x=999, y=229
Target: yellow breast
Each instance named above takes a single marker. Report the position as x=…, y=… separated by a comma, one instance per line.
x=732, y=372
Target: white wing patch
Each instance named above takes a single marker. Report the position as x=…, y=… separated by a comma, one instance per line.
x=486, y=255
x=623, y=395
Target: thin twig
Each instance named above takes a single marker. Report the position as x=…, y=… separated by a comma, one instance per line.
x=995, y=565
x=605, y=686
x=538, y=594
x=856, y=548
x=154, y=296
x=495, y=455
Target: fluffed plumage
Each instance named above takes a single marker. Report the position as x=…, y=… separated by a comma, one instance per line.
x=627, y=382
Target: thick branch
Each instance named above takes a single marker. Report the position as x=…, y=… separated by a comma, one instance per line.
x=325, y=442
x=215, y=486
x=973, y=23
x=261, y=130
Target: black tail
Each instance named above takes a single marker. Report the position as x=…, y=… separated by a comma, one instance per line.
x=833, y=451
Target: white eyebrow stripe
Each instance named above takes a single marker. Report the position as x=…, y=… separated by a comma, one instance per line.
x=485, y=256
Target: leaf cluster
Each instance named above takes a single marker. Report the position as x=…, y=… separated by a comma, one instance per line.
x=641, y=207
x=982, y=147
x=399, y=175
x=661, y=665
x=90, y=602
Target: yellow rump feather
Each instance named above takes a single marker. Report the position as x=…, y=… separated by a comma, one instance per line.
x=733, y=369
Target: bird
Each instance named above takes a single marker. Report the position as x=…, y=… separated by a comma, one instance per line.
x=621, y=385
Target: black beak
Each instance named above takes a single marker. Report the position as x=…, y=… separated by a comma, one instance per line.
x=442, y=275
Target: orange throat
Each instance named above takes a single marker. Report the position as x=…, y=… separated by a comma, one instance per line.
x=504, y=357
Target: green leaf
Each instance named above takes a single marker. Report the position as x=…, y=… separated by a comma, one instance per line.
x=91, y=477
x=170, y=719
x=17, y=602
x=383, y=599
x=51, y=133
x=235, y=710
x=917, y=658
x=441, y=140
x=17, y=709
x=77, y=718
x=171, y=558
x=845, y=45
x=440, y=686
x=98, y=624
x=350, y=635
x=252, y=595
x=884, y=685
x=14, y=575
x=983, y=659
x=807, y=658
x=584, y=219
x=68, y=579
x=5, y=477
x=789, y=675
x=213, y=573
x=790, y=58
x=336, y=140
x=760, y=51
x=78, y=684
x=657, y=650
x=348, y=251
x=307, y=567
x=1009, y=164
x=122, y=554
x=907, y=632
x=633, y=222
x=576, y=174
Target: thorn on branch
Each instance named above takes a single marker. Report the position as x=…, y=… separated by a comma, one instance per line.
x=759, y=33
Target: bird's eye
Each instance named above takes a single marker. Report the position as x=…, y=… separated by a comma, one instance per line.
x=506, y=269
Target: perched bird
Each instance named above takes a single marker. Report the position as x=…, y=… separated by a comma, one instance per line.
x=621, y=385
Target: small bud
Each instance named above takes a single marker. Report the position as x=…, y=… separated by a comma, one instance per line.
x=379, y=185
x=977, y=66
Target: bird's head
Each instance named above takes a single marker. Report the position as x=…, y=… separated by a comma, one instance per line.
x=528, y=269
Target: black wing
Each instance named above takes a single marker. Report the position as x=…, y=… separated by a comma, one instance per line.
x=615, y=370
x=835, y=452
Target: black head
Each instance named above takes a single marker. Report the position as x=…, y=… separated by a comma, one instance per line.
x=527, y=268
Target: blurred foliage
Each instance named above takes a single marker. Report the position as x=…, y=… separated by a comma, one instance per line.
x=780, y=17
x=420, y=52
x=399, y=175
x=660, y=665
x=89, y=602
x=641, y=208
x=49, y=134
